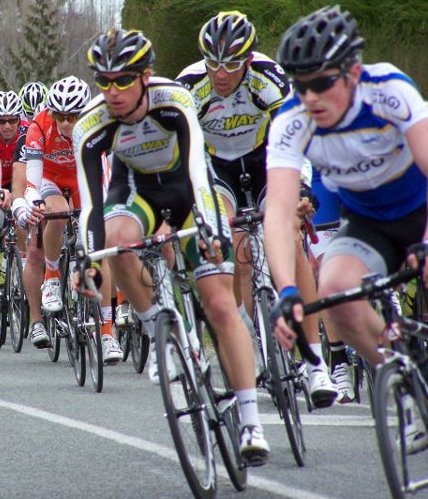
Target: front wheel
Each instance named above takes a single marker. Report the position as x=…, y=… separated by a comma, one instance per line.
x=140, y=344
x=397, y=418
x=283, y=379
x=186, y=412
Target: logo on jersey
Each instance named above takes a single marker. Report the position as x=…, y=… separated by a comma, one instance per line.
x=290, y=131
x=257, y=84
x=177, y=95
x=361, y=167
x=237, y=99
x=96, y=139
x=232, y=122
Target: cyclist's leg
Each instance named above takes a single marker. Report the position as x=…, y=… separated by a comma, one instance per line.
x=323, y=391
x=236, y=352
x=52, y=243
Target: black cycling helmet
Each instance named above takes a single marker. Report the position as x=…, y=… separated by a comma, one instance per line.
x=227, y=36
x=121, y=50
x=326, y=38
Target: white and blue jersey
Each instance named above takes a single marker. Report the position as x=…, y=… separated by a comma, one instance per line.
x=366, y=157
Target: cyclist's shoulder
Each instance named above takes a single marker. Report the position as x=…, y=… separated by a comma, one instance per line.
x=193, y=74
x=164, y=92
x=266, y=68
x=95, y=117
x=383, y=79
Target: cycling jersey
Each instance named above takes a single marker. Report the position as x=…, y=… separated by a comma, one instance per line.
x=50, y=156
x=7, y=150
x=365, y=158
x=237, y=124
x=165, y=147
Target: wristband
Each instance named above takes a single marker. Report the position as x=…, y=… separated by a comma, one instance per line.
x=288, y=291
x=18, y=203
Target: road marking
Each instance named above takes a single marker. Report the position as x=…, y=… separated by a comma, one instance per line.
x=323, y=420
x=264, y=484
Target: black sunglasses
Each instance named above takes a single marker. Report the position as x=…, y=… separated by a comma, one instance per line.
x=121, y=82
x=317, y=85
x=11, y=121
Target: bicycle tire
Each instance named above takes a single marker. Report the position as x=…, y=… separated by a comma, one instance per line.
x=282, y=386
x=92, y=333
x=227, y=429
x=390, y=387
x=75, y=342
x=370, y=379
x=15, y=299
x=186, y=413
x=140, y=345
x=54, y=338
x=123, y=336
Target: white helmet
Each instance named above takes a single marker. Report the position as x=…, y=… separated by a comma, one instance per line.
x=32, y=94
x=10, y=104
x=69, y=95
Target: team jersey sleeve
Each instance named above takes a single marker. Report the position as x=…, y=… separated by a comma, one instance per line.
x=92, y=136
x=34, y=150
x=19, y=155
x=285, y=143
x=399, y=102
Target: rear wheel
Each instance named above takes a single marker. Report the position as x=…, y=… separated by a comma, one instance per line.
x=54, y=338
x=140, y=344
x=17, y=315
x=283, y=389
x=92, y=333
x=186, y=413
x=227, y=428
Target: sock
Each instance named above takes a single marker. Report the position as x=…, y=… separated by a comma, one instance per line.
x=120, y=297
x=106, y=323
x=338, y=354
x=52, y=269
x=106, y=327
x=147, y=319
x=322, y=366
x=247, y=400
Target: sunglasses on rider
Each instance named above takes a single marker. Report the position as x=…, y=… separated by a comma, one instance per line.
x=229, y=67
x=317, y=85
x=71, y=117
x=121, y=82
x=11, y=121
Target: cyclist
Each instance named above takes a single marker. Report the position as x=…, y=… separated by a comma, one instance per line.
x=51, y=170
x=237, y=92
x=11, y=127
x=150, y=125
x=32, y=95
x=365, y=129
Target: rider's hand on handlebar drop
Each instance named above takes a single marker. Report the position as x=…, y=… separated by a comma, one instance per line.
x=217, y=257
x=287, y=309
x=417, y=256
x=91, y=275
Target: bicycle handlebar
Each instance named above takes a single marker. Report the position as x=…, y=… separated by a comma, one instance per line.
x=368, y=289
x=59, y=215
x=251, y=217
x=146, y=242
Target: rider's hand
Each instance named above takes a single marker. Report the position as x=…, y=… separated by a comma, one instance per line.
x=5, y=199
x=220, y=249
x=417, y=256
x=289, y=306
x=91, y=274
x=25, y=215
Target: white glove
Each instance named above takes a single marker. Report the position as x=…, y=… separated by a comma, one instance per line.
x=31, y=195
x=20, y=211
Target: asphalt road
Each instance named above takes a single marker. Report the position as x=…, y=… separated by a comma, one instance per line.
x=59, y=440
